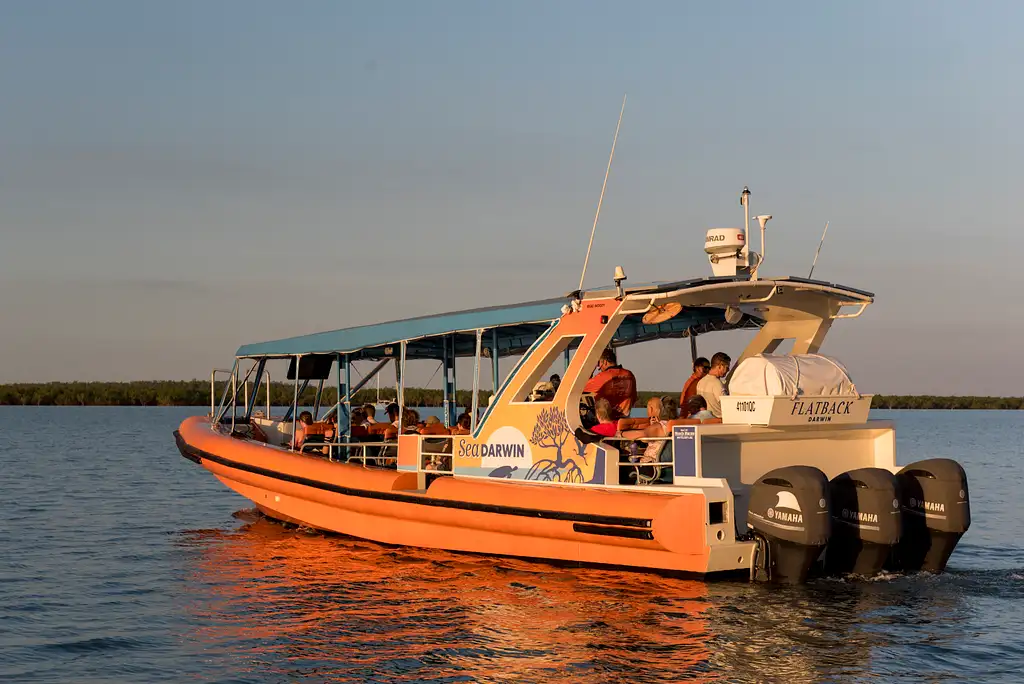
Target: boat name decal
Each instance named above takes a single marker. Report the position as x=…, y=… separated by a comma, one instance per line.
x=470, y=450
x=821, y=411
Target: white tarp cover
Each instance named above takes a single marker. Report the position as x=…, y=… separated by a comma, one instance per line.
x=791, y=375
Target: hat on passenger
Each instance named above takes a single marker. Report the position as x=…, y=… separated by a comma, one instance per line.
x=542, y=390
x=433, y=419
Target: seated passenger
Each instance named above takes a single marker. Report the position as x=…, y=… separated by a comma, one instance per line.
x=606, y=427
x=434, y=426
x=712, y=385
x=358, y=428
x=700, y=368
x=410, y=421
x=652, y=453
x=555, y=381
x=305, y=418
x=653, y=411
x=369, y=411
x=697, y=409
x=393, y=412
x=542, y=391
x=462, y=426
x=614, y=383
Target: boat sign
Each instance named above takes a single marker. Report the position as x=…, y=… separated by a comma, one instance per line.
x=804, y=410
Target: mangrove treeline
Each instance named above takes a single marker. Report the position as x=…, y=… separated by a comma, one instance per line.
x=197, y=393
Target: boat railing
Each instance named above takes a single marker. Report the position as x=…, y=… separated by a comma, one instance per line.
x=649, y=472
x=213, y=383
x=386, y=452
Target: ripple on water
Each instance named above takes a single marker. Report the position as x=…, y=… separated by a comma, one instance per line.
x=126, y=563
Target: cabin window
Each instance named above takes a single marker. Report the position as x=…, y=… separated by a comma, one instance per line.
x=537, y=387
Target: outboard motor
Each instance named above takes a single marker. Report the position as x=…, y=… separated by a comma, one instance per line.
x=789, y=515
x=936, y=512
x=866, y=521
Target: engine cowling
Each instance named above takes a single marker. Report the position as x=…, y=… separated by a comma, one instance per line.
x=936, y=512
x=866, y=521
x=789, y=513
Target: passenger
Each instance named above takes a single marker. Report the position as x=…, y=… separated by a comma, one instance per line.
x=653, y=411
x=305, y=418
x=462, y=425
x=542, y=391
x=359, y=426
x=700, y=368
x=411, y=421
x=555, y=381
x=712, y=385
x=433, y=426
x=614, y=383
x=369, y=411
x=393, y=412
x=697, y=409
x=660, y=428
x=606, y=427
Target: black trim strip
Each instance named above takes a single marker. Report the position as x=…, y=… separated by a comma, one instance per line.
x=584, y=528
x=198, y=455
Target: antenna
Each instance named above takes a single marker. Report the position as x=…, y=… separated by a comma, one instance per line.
x=819, y=250
x=601, y=198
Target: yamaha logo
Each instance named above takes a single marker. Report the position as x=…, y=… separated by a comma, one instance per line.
x=784, y=516
x=860, y=517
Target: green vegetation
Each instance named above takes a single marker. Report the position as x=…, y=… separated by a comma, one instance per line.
x=197, y=393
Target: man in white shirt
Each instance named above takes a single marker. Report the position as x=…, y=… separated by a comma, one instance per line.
x=712, y=385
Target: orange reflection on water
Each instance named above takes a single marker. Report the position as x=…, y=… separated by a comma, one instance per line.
x=290, y=604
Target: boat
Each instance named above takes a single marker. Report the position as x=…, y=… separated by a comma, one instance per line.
x=793, y=481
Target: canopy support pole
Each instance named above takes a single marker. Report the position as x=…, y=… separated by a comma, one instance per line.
x=295, y=402
x=344, y=386
x=455, y=383
x=316, y=400
x=294, y=410
x=251, y=404
x=693, y=346
x=494, y=363
x=400, y=370
x=444, y=383
x=476, y=377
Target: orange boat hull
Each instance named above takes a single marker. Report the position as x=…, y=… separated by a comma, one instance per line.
x=570, y=523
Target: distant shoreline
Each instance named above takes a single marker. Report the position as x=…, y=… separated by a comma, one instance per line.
x=197, y=393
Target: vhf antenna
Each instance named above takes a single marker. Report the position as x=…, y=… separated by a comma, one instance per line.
x=819, y=251
x=601, y=198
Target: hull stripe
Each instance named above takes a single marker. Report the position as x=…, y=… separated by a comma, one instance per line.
x=644, y=524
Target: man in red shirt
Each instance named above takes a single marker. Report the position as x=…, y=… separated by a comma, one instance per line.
x=700, y=368
x=614, y=383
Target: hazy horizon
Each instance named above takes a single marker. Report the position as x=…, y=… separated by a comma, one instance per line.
x=181, y=179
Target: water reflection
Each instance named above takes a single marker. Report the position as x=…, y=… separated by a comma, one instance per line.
x=288, y=604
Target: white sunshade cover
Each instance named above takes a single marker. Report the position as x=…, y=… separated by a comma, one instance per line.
x=791, y=375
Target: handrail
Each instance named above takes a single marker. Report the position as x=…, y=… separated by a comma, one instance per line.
x=213, y=392
x=852, y=314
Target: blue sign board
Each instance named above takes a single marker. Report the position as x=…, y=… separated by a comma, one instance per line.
x=684, y=446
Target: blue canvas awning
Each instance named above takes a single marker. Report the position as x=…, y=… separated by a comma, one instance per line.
x=517, y=326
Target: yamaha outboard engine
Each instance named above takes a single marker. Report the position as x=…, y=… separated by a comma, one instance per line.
x=936, y=512
x=789, y=515
x=866, y=521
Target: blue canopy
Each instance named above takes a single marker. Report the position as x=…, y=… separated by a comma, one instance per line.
x=516, y=328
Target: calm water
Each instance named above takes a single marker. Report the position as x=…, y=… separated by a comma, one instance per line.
x=122, y=562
